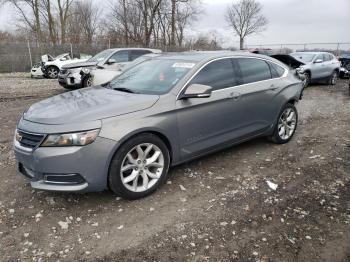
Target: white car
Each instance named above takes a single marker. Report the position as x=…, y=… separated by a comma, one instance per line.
x=36, y=71
x=50, y=66
x=101, y=75
x=73, y=76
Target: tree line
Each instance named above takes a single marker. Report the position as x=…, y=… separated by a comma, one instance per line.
x=149, y=23
x=129, y=22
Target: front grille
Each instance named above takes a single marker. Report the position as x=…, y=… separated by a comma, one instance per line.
x=29, y=140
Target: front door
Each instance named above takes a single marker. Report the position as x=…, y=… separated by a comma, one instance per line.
x=206, y=122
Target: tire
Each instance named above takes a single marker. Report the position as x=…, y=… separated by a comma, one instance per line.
x=52, y=72
x=131, y=183
x=282, y=121
x=307, y=80
x=87, y=81
x=332, y=80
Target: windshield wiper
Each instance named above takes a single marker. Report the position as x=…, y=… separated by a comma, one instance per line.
x=124, y=89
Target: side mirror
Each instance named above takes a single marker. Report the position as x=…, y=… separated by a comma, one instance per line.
x=197, y=91
x=63, y=59
x=111, y=61
x=318, y=61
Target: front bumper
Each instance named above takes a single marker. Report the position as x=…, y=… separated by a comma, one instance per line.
x=70, y=169
x=70, y=81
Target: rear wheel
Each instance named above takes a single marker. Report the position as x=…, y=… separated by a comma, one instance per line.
x=333, y=78
x=139, y=167
x=286, y=125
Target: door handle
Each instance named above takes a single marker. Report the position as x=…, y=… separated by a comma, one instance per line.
x=273, y=87
x=234, y=95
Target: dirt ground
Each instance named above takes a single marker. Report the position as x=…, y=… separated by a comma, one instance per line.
x=217, y=208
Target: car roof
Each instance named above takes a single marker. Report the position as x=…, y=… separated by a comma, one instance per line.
x=135, y=48
x=200, y=56
x=310, y=52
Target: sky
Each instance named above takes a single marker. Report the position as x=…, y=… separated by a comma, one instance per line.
x=290, y=21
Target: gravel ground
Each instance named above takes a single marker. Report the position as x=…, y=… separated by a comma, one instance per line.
x=217, y=208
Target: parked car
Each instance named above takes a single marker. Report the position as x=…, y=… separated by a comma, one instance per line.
x=344, y=66
x=101, y=75
x=318, y=66
x=50, y=66
x=36, y=71
x=70, y=76
x=165, y=111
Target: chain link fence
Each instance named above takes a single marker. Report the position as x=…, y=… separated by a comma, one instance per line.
x=20, y=56
x=335, y=48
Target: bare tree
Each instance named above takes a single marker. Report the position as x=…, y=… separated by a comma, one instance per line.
x=30, y=19
x=50, y=20
x=63, y=12
x=186, y=12
x=87, y=15
x=246, y=18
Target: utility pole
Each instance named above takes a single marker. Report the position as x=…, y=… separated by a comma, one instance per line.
x=30, y=55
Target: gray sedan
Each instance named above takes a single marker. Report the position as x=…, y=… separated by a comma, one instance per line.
x=165, y=111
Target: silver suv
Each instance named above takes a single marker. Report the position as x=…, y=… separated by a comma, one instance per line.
x=318, y=66
x=162, y=112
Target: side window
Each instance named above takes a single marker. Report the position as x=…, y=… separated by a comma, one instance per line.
x=137, y=53
x=121, y=56
x=276, y=70
x=320, y=56
x=326, y=57
x=218, y=74
x=253, y=70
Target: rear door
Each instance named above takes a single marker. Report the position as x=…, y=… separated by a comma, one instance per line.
x=260, y=82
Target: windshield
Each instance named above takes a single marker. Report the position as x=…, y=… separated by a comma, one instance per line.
x=152, y=76
x=303, y=57
x=100, y=56
x=135, y=62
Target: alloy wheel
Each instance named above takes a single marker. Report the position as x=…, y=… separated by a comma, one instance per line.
x=52, y=72
x=306, y=80
x=287, y=123
x=89, y=81
x=334, y=78
x=142, y=167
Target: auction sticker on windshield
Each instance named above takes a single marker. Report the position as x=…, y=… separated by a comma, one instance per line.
x=184, y=65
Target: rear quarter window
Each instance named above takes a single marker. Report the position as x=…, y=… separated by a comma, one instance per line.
x=253, y=70
x=276, y=70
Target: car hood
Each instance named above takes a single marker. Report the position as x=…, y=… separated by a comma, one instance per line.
x=79, y=64
x=87, y=104
x=288, y=60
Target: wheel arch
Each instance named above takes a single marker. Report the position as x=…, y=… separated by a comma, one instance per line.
x=155, y=132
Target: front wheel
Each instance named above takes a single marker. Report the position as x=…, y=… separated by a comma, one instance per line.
x=307, y=79
x=286, y=125
x=87, y=82
x=139, y=167
x=333, y=78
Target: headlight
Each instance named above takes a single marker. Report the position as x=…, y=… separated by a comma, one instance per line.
x=71, y=139
x=301, y=69
x=86, y=70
